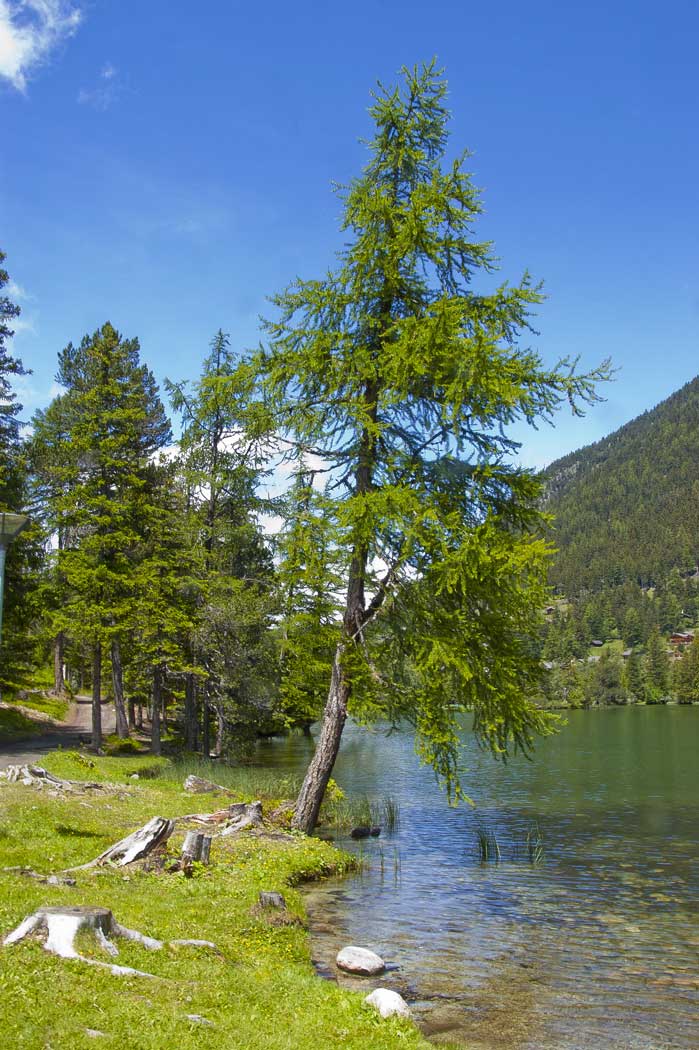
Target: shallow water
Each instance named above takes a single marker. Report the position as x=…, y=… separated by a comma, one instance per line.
x=593, y=947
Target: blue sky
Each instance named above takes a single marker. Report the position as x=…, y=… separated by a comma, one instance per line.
x=167, y=166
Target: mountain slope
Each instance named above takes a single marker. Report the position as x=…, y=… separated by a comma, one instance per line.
x=627, y=507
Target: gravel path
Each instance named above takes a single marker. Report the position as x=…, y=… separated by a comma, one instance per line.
x=64, y=734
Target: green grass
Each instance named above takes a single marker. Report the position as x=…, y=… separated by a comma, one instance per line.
x=14, y=725
x=259, y=990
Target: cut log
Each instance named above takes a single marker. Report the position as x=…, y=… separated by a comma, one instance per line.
x=205, y=849
x=192, y=847
x=135, y=846
x=61, y=925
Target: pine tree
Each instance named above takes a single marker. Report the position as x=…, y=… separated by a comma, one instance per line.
x=402, y=379
x=656, y=668
x=116, y=423
x=221, y=472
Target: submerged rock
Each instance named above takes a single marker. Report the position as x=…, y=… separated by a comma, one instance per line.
x=360, y=961
x=388, y=1003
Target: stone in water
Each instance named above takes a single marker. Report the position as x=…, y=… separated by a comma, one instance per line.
x=360, y=961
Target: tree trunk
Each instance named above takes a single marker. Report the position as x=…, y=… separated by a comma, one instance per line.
x=220, y=730
x=122, y=726
x=155, y=745
x=58, y=655
x=190, y=713
x=131, y=708
x=206, y=729
x=321, y=766
x=97, y=696
x=163, y=708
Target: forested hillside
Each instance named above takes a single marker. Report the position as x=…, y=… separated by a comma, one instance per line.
x=627, y=507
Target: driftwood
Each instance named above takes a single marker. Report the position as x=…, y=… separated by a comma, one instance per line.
x=135, y=846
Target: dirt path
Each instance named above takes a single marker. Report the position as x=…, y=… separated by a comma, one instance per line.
x=63, y=734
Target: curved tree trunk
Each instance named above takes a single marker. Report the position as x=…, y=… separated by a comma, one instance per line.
x=122, y=726
x=318, y=773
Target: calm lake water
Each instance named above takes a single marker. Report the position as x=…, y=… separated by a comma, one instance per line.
x=595, y=947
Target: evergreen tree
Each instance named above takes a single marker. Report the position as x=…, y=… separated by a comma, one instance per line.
x=116, y=423
x=221, y=472
x=656, y=668
x=402, y=379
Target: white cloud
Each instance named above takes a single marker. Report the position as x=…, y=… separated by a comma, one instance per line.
x=105, y=92
x=29, y=32
x=16, y=292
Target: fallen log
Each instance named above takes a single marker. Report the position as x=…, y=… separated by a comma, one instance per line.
x=37, y=776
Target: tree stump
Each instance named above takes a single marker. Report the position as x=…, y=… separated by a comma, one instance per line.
x=61, y=925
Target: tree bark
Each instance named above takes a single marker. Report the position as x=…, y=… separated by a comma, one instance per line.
x=318, y=773
x=206, y=729
x=131, y=708
x=155, y=744
x=97, y=696
x=58, y=656
x=220, y=730
x=122, y=726
x=190, y=713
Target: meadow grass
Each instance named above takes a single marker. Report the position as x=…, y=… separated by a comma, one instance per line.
x=258, y=990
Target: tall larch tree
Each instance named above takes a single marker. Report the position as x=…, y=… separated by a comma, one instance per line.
x=402, y=371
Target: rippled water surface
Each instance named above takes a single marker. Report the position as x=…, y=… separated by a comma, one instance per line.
x=593, y=947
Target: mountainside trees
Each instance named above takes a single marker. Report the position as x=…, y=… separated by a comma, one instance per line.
x=626, y=507
x=402, y=378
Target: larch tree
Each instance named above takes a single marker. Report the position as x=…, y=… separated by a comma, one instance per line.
x=401, y=372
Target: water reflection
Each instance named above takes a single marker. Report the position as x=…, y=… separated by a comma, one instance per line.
x=595, y=947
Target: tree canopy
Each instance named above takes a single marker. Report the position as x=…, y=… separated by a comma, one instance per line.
x=399, y=373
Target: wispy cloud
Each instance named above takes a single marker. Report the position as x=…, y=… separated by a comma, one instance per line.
x=17, y=293
x=105, y=92
x=29, y=31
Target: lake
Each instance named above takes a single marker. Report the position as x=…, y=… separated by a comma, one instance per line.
x=584, y=935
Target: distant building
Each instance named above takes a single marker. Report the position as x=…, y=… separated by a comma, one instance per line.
x=681, y=638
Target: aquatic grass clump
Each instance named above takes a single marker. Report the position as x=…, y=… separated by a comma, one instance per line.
x=534, y=843
x=487, y=843
x=344, y=813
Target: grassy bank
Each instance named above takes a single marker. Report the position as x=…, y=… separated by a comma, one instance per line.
x=257, y=991
x=29, y=715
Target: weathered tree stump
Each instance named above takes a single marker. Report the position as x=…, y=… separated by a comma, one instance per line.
x=61, y=925
x=243, y=815
x=135, y=846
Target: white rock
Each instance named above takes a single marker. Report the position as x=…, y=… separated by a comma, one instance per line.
x=360, y=961
x=388, y=1003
